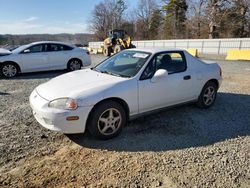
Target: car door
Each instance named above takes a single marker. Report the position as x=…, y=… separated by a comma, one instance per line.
x=175, y=88
x=58, y=56
x=35, y=58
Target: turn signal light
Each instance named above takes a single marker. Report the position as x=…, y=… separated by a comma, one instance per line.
x=72, y=118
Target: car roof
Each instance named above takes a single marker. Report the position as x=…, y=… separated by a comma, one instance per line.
x=155, y=50
x=53, y=42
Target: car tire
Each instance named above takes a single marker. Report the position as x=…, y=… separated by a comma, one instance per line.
x=107, y=51
x=9, y=70
x=118, y=48
x=208, y=95
x=74, y=64
x=107, y=120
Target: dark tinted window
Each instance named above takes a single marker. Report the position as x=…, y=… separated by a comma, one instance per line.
x=36, y=48
x=59, y=47
x=55, y=47
x=66, y=48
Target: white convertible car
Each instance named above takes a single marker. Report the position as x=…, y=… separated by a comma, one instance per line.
x=129, y=84
x=42, y=56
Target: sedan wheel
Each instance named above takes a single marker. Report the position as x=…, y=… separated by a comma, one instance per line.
x=9, y=70
x=74, y=64
x=208, y=95
x=107, y=120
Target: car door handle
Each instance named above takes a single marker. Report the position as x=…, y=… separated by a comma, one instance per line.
x=188, y=77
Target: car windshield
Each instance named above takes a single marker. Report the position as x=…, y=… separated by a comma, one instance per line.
x=20, y=48
x=124, y=64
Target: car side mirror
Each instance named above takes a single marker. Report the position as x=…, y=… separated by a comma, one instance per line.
x=26, y=51
x=159, y=74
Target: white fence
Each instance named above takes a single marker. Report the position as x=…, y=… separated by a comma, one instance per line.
x=204, y=46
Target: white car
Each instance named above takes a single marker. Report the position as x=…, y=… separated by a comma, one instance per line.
x=127, y=85
x=42, y=56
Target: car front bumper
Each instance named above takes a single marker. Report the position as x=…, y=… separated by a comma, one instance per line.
x=56, y=119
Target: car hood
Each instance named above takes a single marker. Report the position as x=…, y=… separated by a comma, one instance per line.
x=75, y=84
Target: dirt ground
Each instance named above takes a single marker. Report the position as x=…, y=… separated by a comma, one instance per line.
x=180, y=147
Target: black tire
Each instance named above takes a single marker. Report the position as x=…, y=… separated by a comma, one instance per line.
x=112, y=126
x=107, y=51
x=206, y=98
x=74, y=64
x=9, y=70
x=118, y=48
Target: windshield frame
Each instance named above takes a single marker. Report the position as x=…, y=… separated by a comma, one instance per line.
x=150, y=54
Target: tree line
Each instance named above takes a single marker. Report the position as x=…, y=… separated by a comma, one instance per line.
x=13, y=40
x=173, y=19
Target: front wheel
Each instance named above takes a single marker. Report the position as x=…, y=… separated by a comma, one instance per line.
x=208, y=95
x=107, y=120
x=74, y=64
x=9, y=70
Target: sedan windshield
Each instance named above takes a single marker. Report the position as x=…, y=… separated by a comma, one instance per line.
x=124, y=64
x=20, y=48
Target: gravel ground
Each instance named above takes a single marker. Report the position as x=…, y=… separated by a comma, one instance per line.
x=180, y=147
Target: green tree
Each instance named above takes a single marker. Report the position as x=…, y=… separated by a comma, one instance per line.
x=155, y=23
x=175, y=18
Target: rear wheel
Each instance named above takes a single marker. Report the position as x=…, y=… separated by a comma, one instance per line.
x=118, y=48
x=9, y=70
x=107, y=120
x=74, y=64
x=208, y=95
x=107, y=51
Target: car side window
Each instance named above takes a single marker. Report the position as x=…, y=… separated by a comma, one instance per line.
x=36, y=48
x=149, y=70
x=54, y=48
x=173, y=62
x=66, y=48
x=59, y=47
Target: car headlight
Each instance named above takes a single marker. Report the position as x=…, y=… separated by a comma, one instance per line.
x=64, y=103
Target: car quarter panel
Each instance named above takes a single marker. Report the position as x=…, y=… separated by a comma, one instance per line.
x=202, y=72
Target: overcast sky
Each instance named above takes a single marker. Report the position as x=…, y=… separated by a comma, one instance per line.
x=47, y=16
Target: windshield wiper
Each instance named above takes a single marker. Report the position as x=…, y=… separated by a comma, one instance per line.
x=114, y=74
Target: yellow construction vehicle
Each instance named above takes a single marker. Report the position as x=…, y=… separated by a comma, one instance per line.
x=117, y=41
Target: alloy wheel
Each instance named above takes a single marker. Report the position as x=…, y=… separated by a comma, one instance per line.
x=109, y=121
x=209, y=95
x=75, y=65
x=9, y=70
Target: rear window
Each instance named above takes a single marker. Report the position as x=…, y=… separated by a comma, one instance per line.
x=67, y=48
x=59, y=47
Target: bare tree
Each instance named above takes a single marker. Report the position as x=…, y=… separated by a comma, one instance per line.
x=107, y=15
x=144, y=13
x=242, y=7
